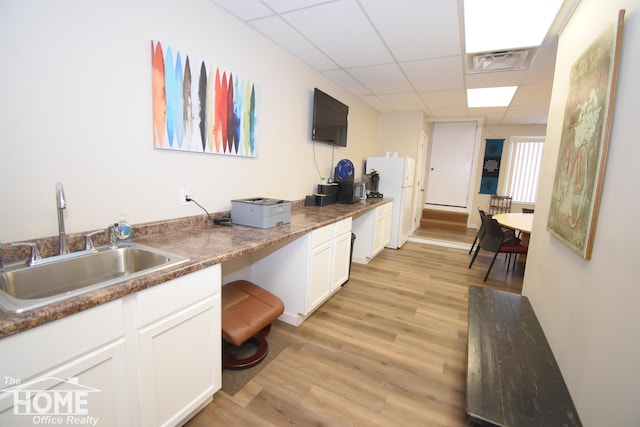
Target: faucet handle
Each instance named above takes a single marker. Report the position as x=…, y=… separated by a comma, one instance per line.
x=35, y=255
x=88, y=242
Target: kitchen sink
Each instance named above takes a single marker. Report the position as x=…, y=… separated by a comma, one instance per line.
x=24, y=288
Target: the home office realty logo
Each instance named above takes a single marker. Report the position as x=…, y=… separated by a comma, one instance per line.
x=66, y=404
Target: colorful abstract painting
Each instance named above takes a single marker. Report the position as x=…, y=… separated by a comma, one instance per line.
x=199, y=107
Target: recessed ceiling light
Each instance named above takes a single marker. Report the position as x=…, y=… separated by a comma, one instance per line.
x=491, y=25
x=490, y=96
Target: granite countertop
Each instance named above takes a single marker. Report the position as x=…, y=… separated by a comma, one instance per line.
x=202, y=242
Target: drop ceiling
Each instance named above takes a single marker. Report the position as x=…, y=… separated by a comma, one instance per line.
x=400, y=55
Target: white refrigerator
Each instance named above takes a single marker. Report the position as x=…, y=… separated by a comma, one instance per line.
x=396, y=182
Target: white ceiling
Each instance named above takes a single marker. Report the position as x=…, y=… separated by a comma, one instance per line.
x=400, y=55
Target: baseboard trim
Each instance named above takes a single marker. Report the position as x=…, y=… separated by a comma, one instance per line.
x=454, y=245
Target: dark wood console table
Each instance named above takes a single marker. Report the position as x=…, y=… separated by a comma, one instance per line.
x=512, y=377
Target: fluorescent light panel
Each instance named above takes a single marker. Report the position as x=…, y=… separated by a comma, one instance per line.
x=493, y=25
x=490, y=96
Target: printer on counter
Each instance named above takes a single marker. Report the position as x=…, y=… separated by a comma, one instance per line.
x=260, y=212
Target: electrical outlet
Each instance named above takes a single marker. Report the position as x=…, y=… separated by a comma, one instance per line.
x=185, y=191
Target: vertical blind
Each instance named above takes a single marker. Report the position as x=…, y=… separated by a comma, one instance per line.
x=525, y=158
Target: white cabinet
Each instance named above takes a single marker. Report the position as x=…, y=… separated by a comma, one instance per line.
x=372, y=230
x=320, y=274
x=382, y=229
x=74, y=366
x=179, y=334
x=305, y=272
x=151, y=358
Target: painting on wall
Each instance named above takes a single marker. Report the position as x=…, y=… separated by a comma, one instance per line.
x=579, y=177
x=491, y=166
x=199, y=107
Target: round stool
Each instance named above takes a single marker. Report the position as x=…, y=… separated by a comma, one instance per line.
x=247, y=314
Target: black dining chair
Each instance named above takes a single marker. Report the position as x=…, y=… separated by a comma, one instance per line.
x=495, y=240
x=480, y=231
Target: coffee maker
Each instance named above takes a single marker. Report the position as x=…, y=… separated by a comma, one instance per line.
x=372, y=179
x=346, y=185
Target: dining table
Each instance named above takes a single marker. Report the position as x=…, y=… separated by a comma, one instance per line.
x=518, y=221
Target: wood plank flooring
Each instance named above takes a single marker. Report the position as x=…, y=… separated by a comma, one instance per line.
x=389, y=349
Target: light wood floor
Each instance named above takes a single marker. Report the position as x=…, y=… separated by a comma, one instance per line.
x=389, y=349
x=446, y=235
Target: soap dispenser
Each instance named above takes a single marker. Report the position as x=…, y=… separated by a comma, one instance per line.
x=124, y=233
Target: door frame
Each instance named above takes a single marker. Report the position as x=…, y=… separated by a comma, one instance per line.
x=473, y=182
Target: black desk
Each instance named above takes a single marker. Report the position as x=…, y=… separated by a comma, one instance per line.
x=512, y=377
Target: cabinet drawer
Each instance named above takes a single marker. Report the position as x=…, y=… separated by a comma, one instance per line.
x=31, y=352
x=167, y=298
x=322, y=235
x=343, y=226
x=386, y=208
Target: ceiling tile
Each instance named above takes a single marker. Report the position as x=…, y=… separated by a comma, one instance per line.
x=491, y=113
x=403, y=101
x=245, y=10
x=445, y=99
x=435, y=74
x=384, y=50
x=422, y=22
x=345, y=80
x=280, y=32
x=495, y=79
x=374, y=102
x=281, y=6
x=381, y=79
x=442, y=113
x=342, y=32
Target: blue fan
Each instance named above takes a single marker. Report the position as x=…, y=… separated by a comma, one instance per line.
x=344, y=170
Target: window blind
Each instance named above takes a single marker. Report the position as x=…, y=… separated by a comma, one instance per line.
x=525, y=158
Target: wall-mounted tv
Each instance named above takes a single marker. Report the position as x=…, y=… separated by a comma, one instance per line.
x=329, y=119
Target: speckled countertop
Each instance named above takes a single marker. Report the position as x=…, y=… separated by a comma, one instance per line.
x=203, y=243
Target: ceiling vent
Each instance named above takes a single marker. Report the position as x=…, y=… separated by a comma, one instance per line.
x=506, y=60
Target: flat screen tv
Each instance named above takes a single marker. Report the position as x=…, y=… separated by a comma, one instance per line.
x=329, y=119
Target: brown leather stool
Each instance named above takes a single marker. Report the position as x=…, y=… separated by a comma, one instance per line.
x=247, y=314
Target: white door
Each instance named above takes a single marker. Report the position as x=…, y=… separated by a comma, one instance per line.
x=452, y=151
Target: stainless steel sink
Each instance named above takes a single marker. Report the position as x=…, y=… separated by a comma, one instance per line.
x=25, y=288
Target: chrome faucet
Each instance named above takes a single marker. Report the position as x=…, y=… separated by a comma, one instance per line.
x=61, y=204
x=112, y=230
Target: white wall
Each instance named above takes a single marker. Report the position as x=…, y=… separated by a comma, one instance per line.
x=589, y=309
x=75, y=107
x=401, y=132
x=498, y=132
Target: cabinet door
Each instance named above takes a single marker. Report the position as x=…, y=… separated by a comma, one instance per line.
x=320, y=274
x=386, y=228
x=93, y=385
x=342, y=252
x=180, y=367
x=382, y=228
x=378, y=239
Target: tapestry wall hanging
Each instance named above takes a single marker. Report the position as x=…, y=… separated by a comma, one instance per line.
x=199, y=107
x=577, y=187
x=491, y=166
